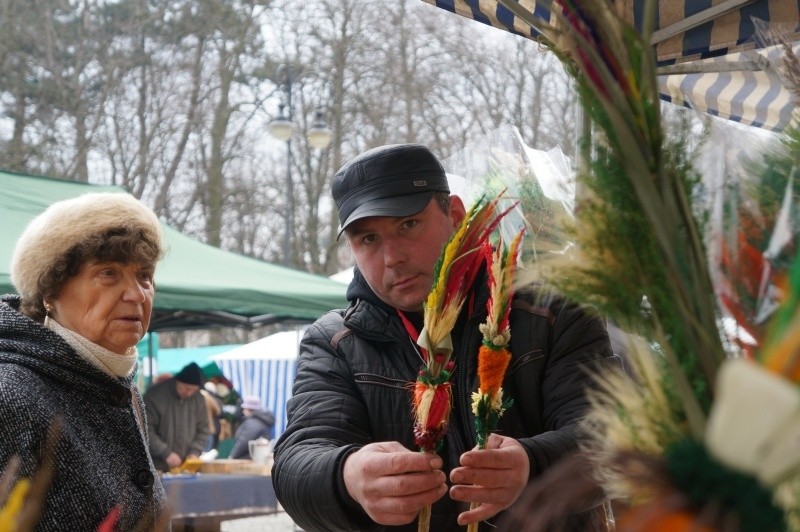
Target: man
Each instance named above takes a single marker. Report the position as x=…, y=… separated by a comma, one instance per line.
x=258, y=423
x=347, y=460
x=177, y=418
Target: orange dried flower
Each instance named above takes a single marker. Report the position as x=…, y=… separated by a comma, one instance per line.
x=492, y=364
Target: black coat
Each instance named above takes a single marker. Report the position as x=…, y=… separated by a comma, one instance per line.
x=101, y=459
x=352, y=389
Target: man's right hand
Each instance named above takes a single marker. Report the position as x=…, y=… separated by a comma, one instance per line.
x=392, y=483
x=173, y=460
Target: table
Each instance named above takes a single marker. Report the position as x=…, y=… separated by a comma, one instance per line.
x=204, y=500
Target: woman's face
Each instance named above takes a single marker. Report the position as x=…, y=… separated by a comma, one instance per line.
x=109, y=303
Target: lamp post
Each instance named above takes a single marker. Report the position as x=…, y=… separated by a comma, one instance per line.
x=281, y=127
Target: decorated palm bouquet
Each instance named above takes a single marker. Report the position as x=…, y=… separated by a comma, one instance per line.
x=462, y=259
x=488, y=403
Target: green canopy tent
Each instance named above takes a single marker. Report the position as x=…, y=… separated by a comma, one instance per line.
x=197, y=286
x=173, y=359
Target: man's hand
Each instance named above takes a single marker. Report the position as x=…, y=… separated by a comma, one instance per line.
x=392, y=483
x=494, y=477
x=173, y=460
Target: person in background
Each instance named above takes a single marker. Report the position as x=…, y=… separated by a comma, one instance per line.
x=229, y=411
x=177, y=418
x=347, y=460
x=84, y=273
x=214, y=408
x=258, y=423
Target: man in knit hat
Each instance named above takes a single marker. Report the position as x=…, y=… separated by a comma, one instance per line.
x=177, y=418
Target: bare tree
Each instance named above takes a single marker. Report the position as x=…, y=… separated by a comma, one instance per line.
x=62, y=65
x=173, y=100
x=197, y=84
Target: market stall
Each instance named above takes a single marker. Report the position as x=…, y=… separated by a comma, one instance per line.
x=265, y=368
x=673, y=466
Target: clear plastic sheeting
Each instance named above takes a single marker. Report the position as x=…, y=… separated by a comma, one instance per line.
x=539, y=181
x=751, y=183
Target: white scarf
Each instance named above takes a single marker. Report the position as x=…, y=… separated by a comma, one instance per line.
x=109, y=362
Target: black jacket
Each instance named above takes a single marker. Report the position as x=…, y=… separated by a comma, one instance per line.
x=352, y=389
x=101, y=459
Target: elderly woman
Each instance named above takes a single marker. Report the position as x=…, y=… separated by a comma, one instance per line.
x=84, y=272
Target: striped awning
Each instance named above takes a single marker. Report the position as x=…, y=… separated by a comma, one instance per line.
x=753, y=97
x=271, y=380
x=698, y=34
x=265, y=368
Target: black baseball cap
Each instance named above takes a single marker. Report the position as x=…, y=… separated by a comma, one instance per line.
x=393, y=180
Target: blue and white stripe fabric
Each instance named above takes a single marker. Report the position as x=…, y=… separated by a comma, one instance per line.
x=756, y=98
x=265, y=368
x=271, y=380
x=753, y=97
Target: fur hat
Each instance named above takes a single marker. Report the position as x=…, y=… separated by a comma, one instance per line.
x=252, y=402
x=191, y=374
x=66, y=223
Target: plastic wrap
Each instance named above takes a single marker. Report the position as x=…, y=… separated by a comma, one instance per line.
x=540, y=181
x=752, y=228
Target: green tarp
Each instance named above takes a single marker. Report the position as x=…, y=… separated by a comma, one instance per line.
x=197, y=286
x=173, y=359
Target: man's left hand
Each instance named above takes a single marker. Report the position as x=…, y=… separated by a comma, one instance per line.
x=494, y=477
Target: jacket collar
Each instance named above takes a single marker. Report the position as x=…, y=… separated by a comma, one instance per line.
x=369, y=315
x=359, y=289
x=28, y=343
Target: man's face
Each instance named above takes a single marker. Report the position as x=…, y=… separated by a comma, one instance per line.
x=186, y=390
x=397, y=255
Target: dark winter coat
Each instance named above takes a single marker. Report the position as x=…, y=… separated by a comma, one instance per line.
x=352, y=388
x=257, y=425
x=101, y=458
x=175, y=424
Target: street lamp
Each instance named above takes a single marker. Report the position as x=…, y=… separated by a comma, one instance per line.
x=281, y=127
x=319, y=136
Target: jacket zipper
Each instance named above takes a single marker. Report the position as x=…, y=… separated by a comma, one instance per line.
x=368, y=378
x=461, y=387
x=461, y=383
